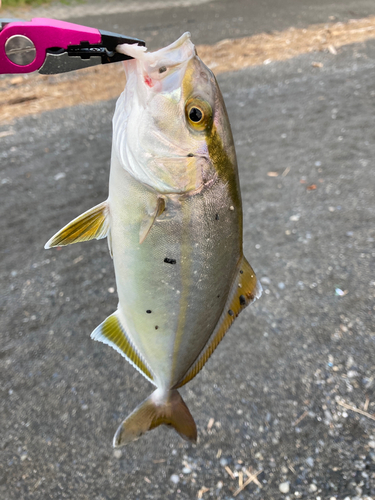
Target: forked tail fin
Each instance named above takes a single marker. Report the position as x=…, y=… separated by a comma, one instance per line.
x=154, y=411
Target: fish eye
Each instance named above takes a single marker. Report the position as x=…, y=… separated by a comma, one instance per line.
x=198, y=114
x=195, y=115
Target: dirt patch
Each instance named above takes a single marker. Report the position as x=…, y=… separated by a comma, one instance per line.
x=30, y=94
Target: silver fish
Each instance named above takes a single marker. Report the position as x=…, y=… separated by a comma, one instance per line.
x=173, y=219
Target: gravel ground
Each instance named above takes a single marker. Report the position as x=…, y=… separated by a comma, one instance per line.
x=269, y=399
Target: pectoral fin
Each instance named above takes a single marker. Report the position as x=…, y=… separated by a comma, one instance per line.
x=112, y=333
x=149, y=220
x=244, y=291
x=93, y=224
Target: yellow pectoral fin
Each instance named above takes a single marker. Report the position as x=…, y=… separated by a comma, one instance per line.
x=111, y=332
x=149, y=220
x=244, y=291
x=93, y=224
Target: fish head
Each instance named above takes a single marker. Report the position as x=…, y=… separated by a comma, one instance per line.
x=167, y=117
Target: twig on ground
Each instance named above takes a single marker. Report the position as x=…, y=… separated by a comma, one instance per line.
x=202, y=491
x=252, y=478
x=356, y=410
x=230, y=472
x=299, y=419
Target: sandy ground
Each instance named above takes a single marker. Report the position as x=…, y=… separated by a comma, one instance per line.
x=30, y=94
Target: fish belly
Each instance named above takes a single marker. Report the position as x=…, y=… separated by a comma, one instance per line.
x=173, y=286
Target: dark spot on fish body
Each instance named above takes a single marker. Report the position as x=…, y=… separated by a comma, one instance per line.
x=217, y=217
x=170, y=261
x=148, y=311
x=242, y=300
x=241, y=272
x=190, y=155
x=156, y=327
x=230, y=312
x=218, y=296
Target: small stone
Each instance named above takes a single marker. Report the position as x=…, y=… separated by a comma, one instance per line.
x=186, y=470
x=284, y=487
x=310, y=462
x=223, y=462
x=312, y=488
x=281, y=285
x=59, y=176
x=371, y=444
x=174, y=478
x=265, y=280
x=117, y=453
x=295, y=218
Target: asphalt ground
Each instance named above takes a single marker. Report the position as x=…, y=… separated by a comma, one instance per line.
x=275, y=396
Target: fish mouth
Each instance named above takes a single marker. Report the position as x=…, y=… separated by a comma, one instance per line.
x=156, y=69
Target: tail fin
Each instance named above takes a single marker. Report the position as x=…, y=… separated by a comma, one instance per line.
x=154, y=411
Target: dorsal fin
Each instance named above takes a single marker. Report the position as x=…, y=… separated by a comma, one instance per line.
x=93, y=224
x=244, y=291
x=111, y=332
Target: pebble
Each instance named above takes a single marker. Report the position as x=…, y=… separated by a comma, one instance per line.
x=312, y=488
x=310, y=462
x=117, y=453
x=174, y=478
x=186, y=470
x=281, y=285
x=371, y=444
x=265, y=280
x=59, y=176
x=284, y=487
x=295, y=218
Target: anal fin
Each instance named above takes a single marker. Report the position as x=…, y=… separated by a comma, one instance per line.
x=92, y=224
x=245, y=290
x=111, y=332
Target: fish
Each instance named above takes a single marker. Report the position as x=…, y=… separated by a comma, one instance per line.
x=174, y=225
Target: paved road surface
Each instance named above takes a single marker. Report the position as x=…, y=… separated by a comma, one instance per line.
x=274, y=385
